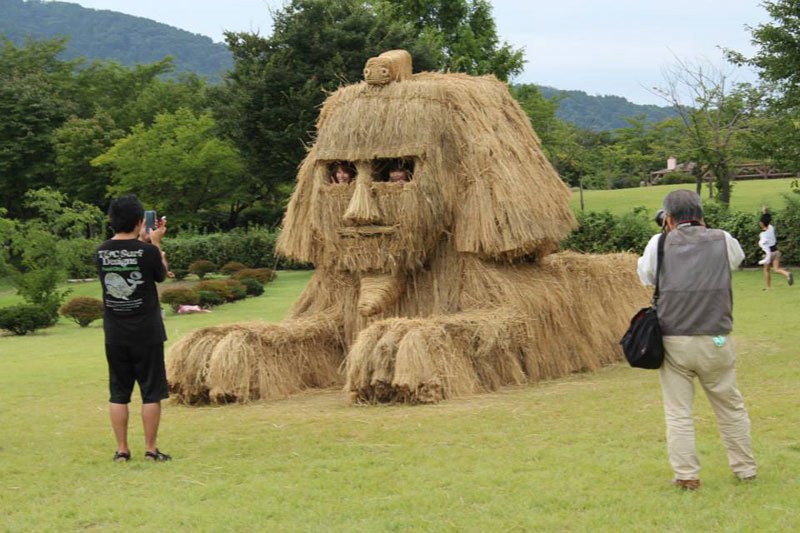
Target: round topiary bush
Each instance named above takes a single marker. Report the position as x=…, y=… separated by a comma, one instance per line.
x=264, y=275
x=180, y=273
x=82, y=310
x=209, y=298
x=232, y=267
x=23, y=319
x=236, y=289
x=218, y=286
x=201, y=268
x=178, y=297
x=253, y=286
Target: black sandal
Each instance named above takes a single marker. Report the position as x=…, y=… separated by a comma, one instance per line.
x=122, y=457
x=157, y=455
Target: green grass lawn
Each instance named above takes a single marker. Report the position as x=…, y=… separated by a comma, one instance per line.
x=584, y=453
x=747, y=196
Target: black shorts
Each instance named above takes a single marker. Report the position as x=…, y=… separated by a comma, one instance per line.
x=141, y=364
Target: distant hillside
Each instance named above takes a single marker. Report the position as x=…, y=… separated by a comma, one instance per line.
x=601, y=113
x=101, y=34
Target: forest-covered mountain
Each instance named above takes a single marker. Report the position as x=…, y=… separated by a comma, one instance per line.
x=102, y=34
x=600, y=113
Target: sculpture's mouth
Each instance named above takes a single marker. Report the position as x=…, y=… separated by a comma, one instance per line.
x=367, y=231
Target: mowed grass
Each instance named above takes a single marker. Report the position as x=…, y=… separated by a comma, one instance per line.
x=584, y=453
x=747, y=196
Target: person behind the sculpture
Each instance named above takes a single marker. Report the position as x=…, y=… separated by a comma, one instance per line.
x=341, y=174
x=695, y=314
x=399, y=174
x=134, y=330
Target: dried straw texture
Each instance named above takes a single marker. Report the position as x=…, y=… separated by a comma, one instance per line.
x=479, y=173
x=519, y=324
x=435, y=288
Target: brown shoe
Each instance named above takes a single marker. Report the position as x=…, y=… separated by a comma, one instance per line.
x=687, y=484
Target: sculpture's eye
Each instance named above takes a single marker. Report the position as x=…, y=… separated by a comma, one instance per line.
x=394, y=170
x=366, y=73
x=341, y=173
x=384, y=71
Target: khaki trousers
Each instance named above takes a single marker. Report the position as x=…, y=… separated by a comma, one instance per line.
x=693, y=356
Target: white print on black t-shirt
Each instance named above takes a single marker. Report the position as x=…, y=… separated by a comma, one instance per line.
x=120, y=258
x=119, y=287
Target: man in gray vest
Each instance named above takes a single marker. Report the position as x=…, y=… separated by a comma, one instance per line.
x=695, y=311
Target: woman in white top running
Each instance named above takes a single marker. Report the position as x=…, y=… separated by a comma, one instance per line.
x=772, y=256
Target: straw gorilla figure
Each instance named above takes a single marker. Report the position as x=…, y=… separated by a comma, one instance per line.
x=435, y=288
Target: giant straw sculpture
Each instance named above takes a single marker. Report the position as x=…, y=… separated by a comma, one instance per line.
x=439, y=287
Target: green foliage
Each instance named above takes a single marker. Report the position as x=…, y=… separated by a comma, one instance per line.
x=180, y=273
x=252, y=286
x=255, y=246
x=101, y=34
x=231, y=267
x=237, y=290
x=177, y=165
x=677, y=177
x=263, y=275
x=78, y=257
x=777, y=58
x=34, y=101
x=40, y=288
x=218, y=286
x=76, y=142
x=82, y=310
x=601, y=113
x=178, y=297
x=209, y=299
x=24, y=319
x=464, y=33
x=601, y=232
x=202, y=267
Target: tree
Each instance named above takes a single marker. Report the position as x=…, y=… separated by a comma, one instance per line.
x=465, y=33
x=541, y=112
x=35, y=89
x=714, y=113
x=178, y=166
x=76, y=143
x=271, y=98
x=777, y=60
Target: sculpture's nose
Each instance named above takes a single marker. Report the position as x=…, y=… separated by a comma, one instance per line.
x=363, y=208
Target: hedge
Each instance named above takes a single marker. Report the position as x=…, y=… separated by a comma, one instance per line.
x=253, y=247
x=24, y=319
x=603, y=232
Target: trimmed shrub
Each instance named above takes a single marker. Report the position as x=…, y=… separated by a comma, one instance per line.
x=253, y=286
x=82, y=310
x=209, y=298
x=264, y=275
x=231, y=267
x=24, y=319
x=178, y=297
x=218, y=286
x=602, y=232
x=236, y=289
x=672, y=178
x=180, y=273
x=254, y=246
x=201, y=267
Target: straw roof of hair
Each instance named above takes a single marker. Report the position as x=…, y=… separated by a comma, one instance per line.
x=498, y=193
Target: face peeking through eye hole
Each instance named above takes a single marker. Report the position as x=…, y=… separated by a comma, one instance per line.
x=385, y=223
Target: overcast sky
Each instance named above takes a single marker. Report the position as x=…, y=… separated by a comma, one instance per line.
x=617, y=47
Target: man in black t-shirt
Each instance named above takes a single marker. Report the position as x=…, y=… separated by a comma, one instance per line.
x=134, y=331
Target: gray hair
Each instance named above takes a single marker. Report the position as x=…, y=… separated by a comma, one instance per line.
x=683, y=206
